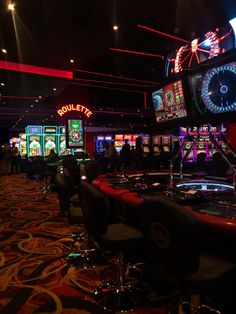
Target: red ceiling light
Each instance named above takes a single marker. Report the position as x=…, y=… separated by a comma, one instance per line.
x=138, y=53
x=163, y=34
x=115, y=76
x=12, y=66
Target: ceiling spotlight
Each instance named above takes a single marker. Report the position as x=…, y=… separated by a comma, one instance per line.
x=115, y=27
x=32, y=106
x=11, y=6
x=2, y=84
x=72, y=61
x=40, y=97
x=3, y=50
x=54, y=89
x=36, y=100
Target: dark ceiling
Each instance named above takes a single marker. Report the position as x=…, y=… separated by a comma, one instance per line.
x=48, y=33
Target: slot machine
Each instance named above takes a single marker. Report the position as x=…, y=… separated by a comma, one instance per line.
x=133, y=141
x=22, y=150
x=50, y=138
x=193, y=132
x=202, y=145
x=215, y=131
x=34, y=140
x=175, y=140
x=166, y=144
x=146, y=142
x=99, y=139
x=119, y=142
x=156, y=144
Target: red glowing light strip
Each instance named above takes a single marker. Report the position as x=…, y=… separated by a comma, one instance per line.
x=162, y=33
x=190, y=61
x=198, y=61
x=112, y=83
x=186, y=56
x=19, y=97
x=204, y=50
x=145, y=100
x=138, y=53
x=226, y=35
x=25, y=68
x=115, y=76
x=111, y=88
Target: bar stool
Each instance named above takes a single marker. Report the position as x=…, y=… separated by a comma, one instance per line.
x=118, y=238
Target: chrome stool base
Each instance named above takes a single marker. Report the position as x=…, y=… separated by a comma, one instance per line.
x=122, y=298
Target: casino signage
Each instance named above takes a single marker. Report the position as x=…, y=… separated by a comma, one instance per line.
x=74, y=107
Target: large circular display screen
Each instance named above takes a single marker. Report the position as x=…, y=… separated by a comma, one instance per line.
x=218, y=89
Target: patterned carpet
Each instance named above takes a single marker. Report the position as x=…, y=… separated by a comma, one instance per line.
x=34, y=240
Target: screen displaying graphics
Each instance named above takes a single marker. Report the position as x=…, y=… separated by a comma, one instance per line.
x=213, y=91
x=169, y=102
x=75, y=133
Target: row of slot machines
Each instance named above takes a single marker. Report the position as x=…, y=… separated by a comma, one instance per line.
x=157, y=144
x=118, y=139
x=39, y=140
x=204, y=144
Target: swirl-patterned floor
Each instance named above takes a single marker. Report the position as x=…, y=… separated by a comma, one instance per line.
x=34, y=240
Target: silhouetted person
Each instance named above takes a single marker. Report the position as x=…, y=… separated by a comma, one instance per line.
x=125, y=155
x=15, y=162
x=114, y=163
x=52, y=157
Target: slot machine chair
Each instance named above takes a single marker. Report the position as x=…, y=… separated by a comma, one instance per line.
x=117, y=238
x=66, y=189
x=172, y=238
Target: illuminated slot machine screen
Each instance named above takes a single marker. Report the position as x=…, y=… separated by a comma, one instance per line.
x=128, y=137
x=201, y=147
x=146, y=149
x=213, y=93
x=191, y=154
x=50, y=137
x=215, y=130
x=169, y=103
x=75, y=133
x=193, y=131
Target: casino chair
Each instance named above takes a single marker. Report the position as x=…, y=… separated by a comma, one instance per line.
x=118, y=238
x=172, y=239
x=66, y=189
x=92, y=170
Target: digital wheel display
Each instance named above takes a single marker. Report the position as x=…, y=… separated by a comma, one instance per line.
x=218, y=89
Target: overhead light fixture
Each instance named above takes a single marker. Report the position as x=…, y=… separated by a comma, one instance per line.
x=72, y=61
x=115, y=27
x=40, y=97
x=3, y=50
x=54, y=89
x=36, y=100
x=11, y=6
x=2, y=84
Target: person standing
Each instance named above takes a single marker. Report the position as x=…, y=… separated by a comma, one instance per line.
x=125, y=155
x=6, y=159
x=15, y=158
x=114, y=163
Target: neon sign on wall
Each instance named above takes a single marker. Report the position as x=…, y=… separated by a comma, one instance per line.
x=74, y=107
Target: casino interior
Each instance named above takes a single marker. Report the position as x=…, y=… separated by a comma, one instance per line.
x=118, y=156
